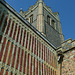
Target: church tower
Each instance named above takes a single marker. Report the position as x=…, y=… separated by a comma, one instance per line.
x=46, y=21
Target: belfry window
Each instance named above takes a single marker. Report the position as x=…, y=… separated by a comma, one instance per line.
x=53, y=23
x=48, y=20
x=31, y=18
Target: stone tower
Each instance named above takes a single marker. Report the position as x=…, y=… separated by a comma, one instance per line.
x=46, y=21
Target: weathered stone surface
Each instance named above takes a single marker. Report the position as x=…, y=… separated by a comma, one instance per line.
x=68, y=64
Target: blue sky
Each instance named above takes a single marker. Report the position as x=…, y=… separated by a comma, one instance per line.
x=66, y=9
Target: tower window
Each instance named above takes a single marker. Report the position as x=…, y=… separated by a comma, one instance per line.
x=53, y=23
x=31, y=19
x=48, y=20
